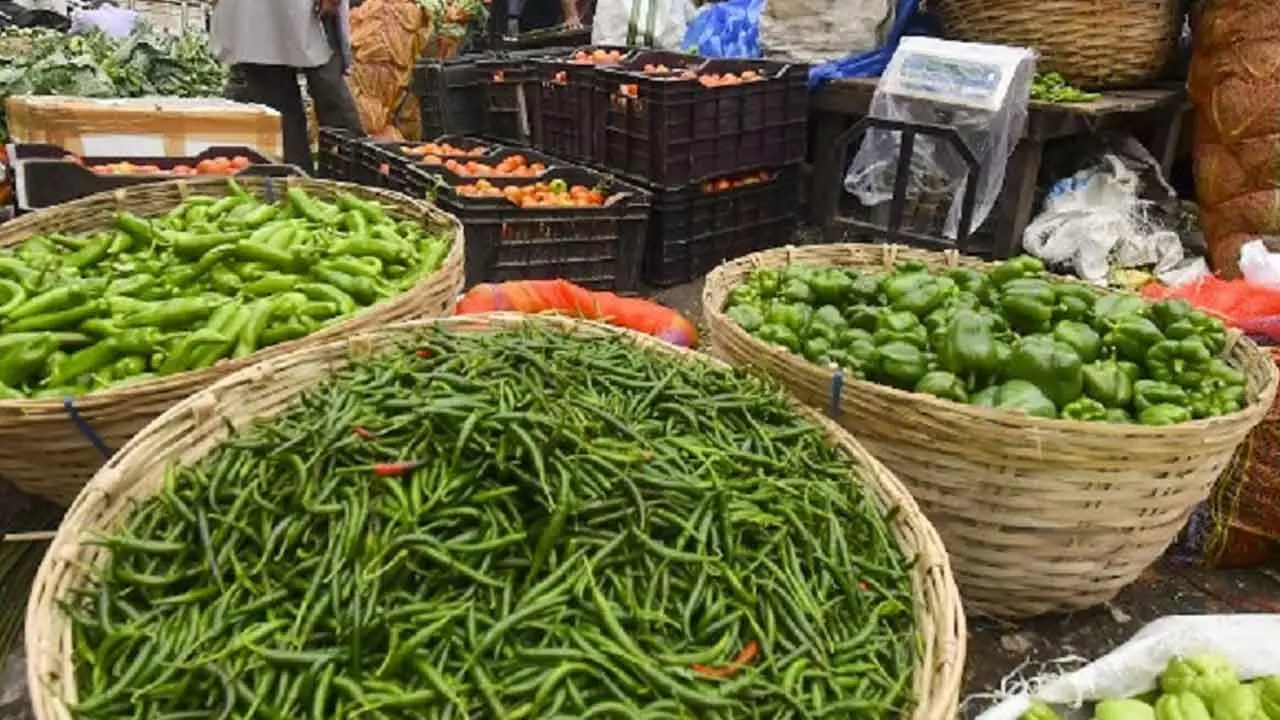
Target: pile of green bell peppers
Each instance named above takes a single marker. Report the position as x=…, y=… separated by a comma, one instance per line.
x=1197, y=687
x=213, y=278
x=1011, y=336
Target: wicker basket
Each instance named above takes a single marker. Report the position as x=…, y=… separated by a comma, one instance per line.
x=1038, y=515
x=1092, y=43
x=194, y=427
x=50, y=447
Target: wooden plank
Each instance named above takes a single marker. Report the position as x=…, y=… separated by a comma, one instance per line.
x=853, y=97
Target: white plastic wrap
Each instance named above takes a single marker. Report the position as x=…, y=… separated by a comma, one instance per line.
x=1259, y=265
x=645, y=23
x=1250, y=642
x=980, y=90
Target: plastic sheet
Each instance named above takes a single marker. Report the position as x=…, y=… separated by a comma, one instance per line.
x=725, y=29
x=1248, y=641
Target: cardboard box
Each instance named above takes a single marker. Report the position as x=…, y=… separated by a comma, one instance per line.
x=145, y=127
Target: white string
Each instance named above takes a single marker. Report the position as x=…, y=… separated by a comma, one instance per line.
x=1025, y=679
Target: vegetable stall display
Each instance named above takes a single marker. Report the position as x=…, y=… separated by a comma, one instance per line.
x=155, y=291
x=1197, y=687
x=95, y=65
x=1041, y=424
x=496, y=516
x=1012, y=338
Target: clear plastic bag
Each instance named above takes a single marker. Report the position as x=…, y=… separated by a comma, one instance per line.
x=980, y=90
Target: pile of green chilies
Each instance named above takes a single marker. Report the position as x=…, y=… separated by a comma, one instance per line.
x=508, y=525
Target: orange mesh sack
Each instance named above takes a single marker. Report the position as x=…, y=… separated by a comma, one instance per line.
x=1234, y=81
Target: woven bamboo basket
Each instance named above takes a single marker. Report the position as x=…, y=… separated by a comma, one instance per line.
x=194, y=427
x=1092, y=43
x=51, y=448
x=1038, y=515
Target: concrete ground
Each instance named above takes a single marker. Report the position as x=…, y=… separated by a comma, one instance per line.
x=995, y=648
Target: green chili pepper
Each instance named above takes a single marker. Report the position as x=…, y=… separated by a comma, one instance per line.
x=20, y=365
x=12, y=295
x=84, y=362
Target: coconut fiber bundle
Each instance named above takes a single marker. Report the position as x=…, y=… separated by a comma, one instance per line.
x=1235, y=84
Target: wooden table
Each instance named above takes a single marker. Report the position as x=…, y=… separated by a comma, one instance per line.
x=839, y=103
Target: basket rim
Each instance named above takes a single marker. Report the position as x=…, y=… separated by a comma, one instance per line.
x=21, y=229
x=717, y=287
x=940, y=622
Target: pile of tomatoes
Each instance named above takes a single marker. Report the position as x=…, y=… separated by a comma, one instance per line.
x=208, y=166
x=554, y=193
x=722, y=184
x=510, y=166
x=597, y=57
x=439, y=150
x=710, y=80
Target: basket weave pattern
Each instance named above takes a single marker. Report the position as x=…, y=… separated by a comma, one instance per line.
x=195, y=427
x=1038, y=515
x=45, y=452
x=1092, y=43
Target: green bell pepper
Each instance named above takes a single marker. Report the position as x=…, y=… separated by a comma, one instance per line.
x=862, y=354
x=1208, y=402
x=1181, y=706
x=797, y=291
x=1268, y=690
x=1118, y=415
x=1027, y=304
x=1147, y=393
x=1081, y=337
x=1051, y=365
x=829, y=316
x=744, y=295
x=986, y=397
x=1073, y=301
x=864, y=317
x=1025, y=397
x=918, y=294
x=1023, y=266
x=1109, y=382
x=1238, y=702
x=851, y=336
x=1202, y=325
x=901, y=364
x=1040, y=711
x=1180, y=361
x=1205, y=675
x=830, y=286
x=816, y=349
x=748, y=317
x=968, y=345
x=910, y=267
x=942, y=384
x=900, y=326
x=795, y=316
x=968, y=280
x=779, y=335
x=1132, y=337
x=1110, y=310
x=1123, y=710
x=1167, y=312
x=1085, y=409
x=868, y=289
x=766, y=282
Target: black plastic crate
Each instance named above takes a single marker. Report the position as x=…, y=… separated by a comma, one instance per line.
x=396, y=170
x=700, y=226
x=450, y=96
x=673, y=130
x=45, y=175
x=600, y=248
x=511, y=99
x=567, y=89
x=336, y=155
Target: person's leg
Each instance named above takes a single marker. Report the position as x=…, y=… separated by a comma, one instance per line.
x=334, y=105
x=276, y=86
x=327, y=85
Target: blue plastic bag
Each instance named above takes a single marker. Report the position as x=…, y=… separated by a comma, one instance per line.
x=729, y=29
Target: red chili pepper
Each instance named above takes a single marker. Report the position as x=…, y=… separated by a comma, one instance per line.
x=744, y=657
x=363, y=433
x=424, y=353
x=396, y=469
